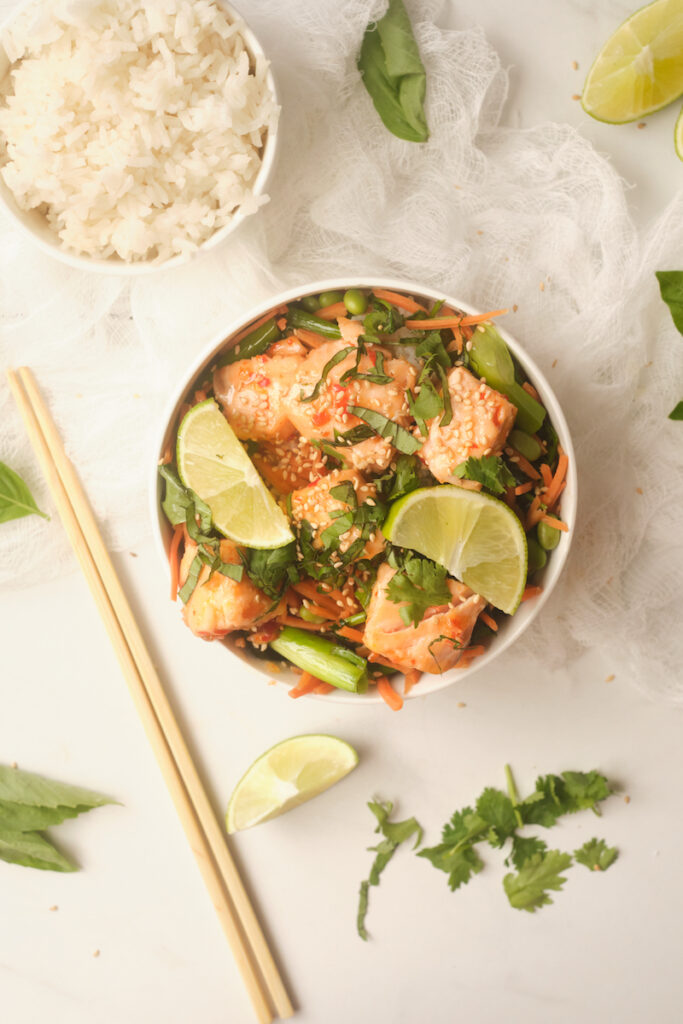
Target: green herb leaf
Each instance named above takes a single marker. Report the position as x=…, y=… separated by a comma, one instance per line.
x=394, y=834
x=540, y=873
x=187, y=589
x=523, y=849
x=556, y=795
x=177, y=499
x=426, y=405
x=406, y=478
x=32, y=850
x=337, y=358
x=490, y=471
x=16, y=817
x=596, y=855
x=382, y=319
x=677, y=412
x=394, y=75
x=495, y=808
x=671, y=288
x=269, y=568
x=20, y=787
x=420, y=583
x=459, y=862
x=16, y=500
x=399, y=437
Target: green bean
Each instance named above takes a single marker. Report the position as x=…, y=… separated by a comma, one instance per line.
x=527, y=445
x=254, y=344
x=536, y=556
x=356, y=301
x=548, y=536
x=329, y=661
x=311, y=322
x=330, y=298
x=310, y=303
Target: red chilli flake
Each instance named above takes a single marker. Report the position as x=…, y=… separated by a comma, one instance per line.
x=263, y=382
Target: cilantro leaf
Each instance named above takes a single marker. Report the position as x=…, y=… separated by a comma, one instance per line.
x=495, y=808
x=528, y=889
x=523, y=848
x=556, y=795
x=463, y=826
x=426, y=405
x=399, y=436
x=671, y=289
x=394, y=833
x=421, y=584
x=490, y=471
x=459, y=862
x=596, y=855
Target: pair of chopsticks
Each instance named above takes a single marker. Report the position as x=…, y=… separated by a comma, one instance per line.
x=207, y=840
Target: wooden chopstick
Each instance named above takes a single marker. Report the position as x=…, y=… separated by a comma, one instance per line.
x=206, y=838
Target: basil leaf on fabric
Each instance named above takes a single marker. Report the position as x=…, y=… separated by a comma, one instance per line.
x=16, y=500
x=394, y=75
x=671, y=289
x=32, y=850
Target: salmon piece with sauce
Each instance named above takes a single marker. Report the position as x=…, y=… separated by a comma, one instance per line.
x=289, y=465
x=482, y=420
x=436, y=643
x=329, y=411
x=315, y=504
x=253, y=391
x=219, y=605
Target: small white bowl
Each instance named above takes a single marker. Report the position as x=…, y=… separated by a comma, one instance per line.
x=34, y=224
x=511, y=627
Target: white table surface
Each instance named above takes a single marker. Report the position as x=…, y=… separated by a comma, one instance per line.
x=609, y=949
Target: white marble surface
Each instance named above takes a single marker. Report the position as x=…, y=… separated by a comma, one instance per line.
x=607, y=950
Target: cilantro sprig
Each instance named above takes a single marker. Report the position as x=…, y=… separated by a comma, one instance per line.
x=394, y=833
x=490, y=471
x=418, y=584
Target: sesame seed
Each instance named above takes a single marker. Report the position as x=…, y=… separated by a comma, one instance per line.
x=609, y=678
x=575, y=65
x=641, y=124
x=576, y=96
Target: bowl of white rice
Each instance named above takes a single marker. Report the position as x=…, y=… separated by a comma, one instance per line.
x=133, y=133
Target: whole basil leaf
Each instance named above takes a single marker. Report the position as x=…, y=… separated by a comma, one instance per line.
x=394, y=75
x=16, y=500
x=32, y=851
x=20, y=787
x=671, y=288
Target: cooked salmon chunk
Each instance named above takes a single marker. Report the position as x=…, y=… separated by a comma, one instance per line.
x=482, y=420
x=289, y=465
x=252, y=392
x=219, y=605
x=436, y=643
x=315, y=504
x=329, y=410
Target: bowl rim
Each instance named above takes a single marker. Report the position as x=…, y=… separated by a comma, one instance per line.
x=514, y=627
x=114, y=265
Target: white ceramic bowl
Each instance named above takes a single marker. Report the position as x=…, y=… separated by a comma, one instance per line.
x=511, y=627
x=34, y=224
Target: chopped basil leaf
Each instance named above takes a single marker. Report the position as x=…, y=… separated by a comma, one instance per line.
x=338, y=357
x=398, y=436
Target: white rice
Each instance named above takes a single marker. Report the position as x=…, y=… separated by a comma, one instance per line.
x=135, y=127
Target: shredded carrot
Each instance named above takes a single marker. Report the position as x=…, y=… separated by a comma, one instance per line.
x=526, y=466
x=402, y=301
x=459, y=339
x=290, y=620
x=309, y=590
x=178, y=535
x=167, y=455
x=332, y=312
x=535, y=514
x=531, y=592
x=309, y=338
x=412, y=678
x=282, y=322
x=490, y=621
x=351, y=634
x=388, y=694
x=442, y=322
x=531, y=390
x=258, y=323
x=553, y=491
x=547, y=474
x=379, y=660
x=524, y=488
x=306, y=684
x=557, y=524
x=317, y=609
x=324, y=688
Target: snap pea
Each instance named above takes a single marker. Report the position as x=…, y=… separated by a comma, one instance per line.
x=329, y=661
x=527, y=445
x=310, y=303
x=489, y=357
x=356, y=301
x=536, y=556
x=310, y=322
x=254, y=344
x=330, y=298
x=548, y=536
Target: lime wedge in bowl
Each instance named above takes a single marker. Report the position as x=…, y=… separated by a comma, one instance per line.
x=287, y=775
x=213, y=464
x=477, y=538
x=640, y=68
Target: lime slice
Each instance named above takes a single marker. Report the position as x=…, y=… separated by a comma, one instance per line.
x=287, y=775
x=477, y=538
x=678, y=135
x=213, y=463
x=640, y=69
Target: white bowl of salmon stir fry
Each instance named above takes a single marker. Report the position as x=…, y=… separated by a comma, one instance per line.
x=366, y=490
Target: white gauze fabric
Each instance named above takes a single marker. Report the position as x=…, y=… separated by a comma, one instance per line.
x=485, y=212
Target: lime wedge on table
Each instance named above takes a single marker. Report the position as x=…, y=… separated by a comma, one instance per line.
x=678, y=135
x=640, y=68
x=477, y=538
x=213, y=463
x=287, y=775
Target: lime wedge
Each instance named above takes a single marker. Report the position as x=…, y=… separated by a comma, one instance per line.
x=640, y=68
x=678, y=135
x=287, y=775
x=213, y=463
x=477, y=538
